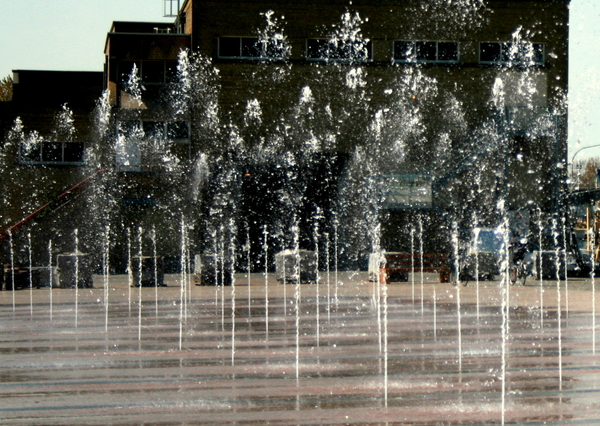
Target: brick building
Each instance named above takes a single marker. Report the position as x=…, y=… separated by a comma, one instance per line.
x=474, y=96
x=288, y=107
x=48, y=139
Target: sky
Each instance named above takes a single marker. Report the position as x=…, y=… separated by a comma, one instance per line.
x=64, y=34
x=70, y=34
x=584, y=79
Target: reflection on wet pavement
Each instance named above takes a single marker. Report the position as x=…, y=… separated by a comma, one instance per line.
x=99, y=372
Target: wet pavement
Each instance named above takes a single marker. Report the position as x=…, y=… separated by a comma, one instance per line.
x=360, y=353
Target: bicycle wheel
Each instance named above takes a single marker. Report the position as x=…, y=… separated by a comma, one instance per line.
x=522, y=275
x=512, y=275
x=463, y=278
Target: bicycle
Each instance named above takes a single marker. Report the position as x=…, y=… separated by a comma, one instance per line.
x=463, y=277
x=517, y=273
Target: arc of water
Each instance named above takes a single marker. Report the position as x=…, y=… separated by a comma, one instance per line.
x=593, y=278
x=377, y=300
x=188, y=276
x=106, y=271
x=222, y=273
x=317, y=296
x=232, y=272
x=335, y=257
x=129, y=271
x=434, y=314
x=564, y=235
x=284, y=281
x=421, y=251
x=50, y=283
x=476, y=253
x=248, y=252
x=76, y=276
x=12, y=267
x=182, y=283
x=155, y=271
x=139, y=283
x=327, y=263
x=458, y=301
x=505, y=297
x=558, y=299
x=541, y=271
x=30, y=274
x=385, y=343
x=266, y=250
x=215, y=268
x=412, y=264
x=295, y=233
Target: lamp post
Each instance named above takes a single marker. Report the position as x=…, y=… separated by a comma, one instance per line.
x=577, y=152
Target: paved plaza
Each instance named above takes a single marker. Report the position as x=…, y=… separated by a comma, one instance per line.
x=345, y=352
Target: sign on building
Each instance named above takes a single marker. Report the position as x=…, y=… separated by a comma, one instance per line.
x=407, y=191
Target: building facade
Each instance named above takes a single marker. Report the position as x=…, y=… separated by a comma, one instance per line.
x=468, y=101
x=252, y=116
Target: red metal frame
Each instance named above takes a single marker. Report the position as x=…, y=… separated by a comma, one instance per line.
x=58, y=202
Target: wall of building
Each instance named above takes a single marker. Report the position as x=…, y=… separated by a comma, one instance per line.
x=470, y=83
x=446, y=119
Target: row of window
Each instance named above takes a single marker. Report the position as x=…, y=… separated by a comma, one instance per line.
x=176, y=131
x=129, y=150
x=428, y=52
x=73, y=153
x=149, y=71
x=53, y=153
x=504, y=53
x=524, y=53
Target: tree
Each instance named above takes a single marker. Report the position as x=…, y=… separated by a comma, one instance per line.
x=583, y=173
x=6, y=89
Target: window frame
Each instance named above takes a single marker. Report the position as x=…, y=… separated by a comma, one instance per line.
x=505, y=46
x=415, y=60
x=339, y=59
x=41, y=148
x=261, y=52
x=131, y=156
x=163, y=130
x=168, y=73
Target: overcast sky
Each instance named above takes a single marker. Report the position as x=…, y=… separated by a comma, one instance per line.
x=70, y=35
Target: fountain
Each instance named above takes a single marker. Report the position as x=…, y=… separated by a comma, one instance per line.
x=384, y=180
x=74, y=270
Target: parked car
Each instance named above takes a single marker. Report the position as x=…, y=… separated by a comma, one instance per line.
x=481, y=259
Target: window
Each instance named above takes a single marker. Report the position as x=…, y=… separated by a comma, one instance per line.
x=31, y=153
x=252, y=48
x=426, y=52
x=175, y=131
x=125, y=69
x=153, y=72
x=339, y=50
x=178, y=130
x=53, y=153
x=402, y=192
x=150, y=72
x=129, y=129
x=153, y=129
x=230, y=47
x=128, y=154
x=447, y=51
x=140, y=142
x=73, y=152
x=525, y=53
x=171, y=71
